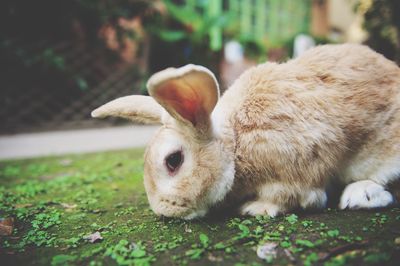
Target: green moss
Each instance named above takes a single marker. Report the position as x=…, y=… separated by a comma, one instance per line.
x=58, y=201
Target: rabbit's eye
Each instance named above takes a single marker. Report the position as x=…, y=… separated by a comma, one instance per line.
x=173, y=161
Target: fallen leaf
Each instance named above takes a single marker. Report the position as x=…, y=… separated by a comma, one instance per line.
x=68, y=206
x=397, y=240
x=187, y=229
x=211, y=257
x=6, y=226
x=267, y=251
x=7, y=221
x=95, y=237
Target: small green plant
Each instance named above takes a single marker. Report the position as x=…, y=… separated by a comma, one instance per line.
x=174, y=243
x=305, y=243
x=46, y=220
x=292, y=219
x=286, y=244
x=126, y=253
x=333, y=233
x=379, y=219
x=198, y=250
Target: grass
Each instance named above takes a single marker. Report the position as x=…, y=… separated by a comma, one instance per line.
x=61, y=205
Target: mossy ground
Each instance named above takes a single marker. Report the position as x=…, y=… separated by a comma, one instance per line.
x=56, y=202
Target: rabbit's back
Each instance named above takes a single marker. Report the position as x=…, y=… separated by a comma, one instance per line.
x=295, y=123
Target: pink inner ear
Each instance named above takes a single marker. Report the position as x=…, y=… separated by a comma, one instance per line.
x=189, y=110
x=181, y=98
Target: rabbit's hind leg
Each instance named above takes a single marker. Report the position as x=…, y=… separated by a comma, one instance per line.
x=370, y=172
x=372, y=169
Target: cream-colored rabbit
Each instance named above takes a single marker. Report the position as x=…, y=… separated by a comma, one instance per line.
x=276, y=138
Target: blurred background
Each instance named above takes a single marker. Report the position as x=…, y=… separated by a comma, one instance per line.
x=61, y=59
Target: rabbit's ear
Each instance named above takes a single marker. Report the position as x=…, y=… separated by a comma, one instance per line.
x=142, y=109
x=189, y=93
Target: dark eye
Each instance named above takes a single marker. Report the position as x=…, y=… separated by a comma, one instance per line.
x=173, y=161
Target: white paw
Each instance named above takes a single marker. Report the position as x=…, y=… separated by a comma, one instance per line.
x=255, y=208
x=365, y=194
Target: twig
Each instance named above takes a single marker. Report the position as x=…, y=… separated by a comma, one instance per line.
x=342, y=249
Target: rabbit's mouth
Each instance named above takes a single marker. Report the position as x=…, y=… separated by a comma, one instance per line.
x=173, y=208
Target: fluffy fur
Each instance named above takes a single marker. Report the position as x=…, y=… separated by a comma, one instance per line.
x=277, y=137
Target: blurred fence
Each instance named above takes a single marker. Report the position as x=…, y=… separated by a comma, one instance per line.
x=35, y=97
x=271, y=22
x=267, y=22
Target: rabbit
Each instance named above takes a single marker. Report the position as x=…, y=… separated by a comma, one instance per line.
x=276, y=139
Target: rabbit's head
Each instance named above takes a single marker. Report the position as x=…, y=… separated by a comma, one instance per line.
x=186, y=169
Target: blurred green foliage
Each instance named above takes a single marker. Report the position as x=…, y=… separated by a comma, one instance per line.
x=184, y=34
x=195, y=25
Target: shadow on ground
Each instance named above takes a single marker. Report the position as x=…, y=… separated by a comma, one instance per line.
x=92, y=210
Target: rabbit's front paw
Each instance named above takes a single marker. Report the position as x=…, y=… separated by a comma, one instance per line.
x=365, y=194
x=255, y=208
